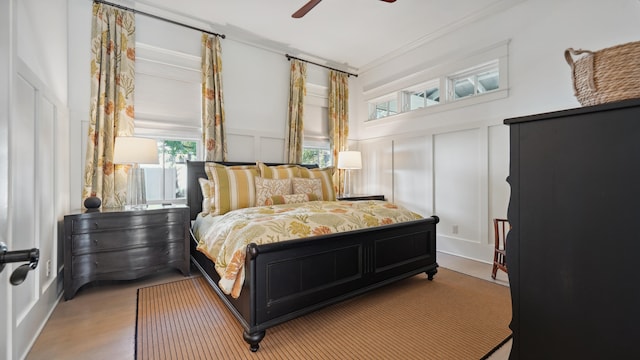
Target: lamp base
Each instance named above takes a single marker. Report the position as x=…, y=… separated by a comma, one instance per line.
x=136, y=192
x=346, y=190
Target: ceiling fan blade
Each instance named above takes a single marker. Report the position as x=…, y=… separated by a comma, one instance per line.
x=389, y=1
x=305, y=9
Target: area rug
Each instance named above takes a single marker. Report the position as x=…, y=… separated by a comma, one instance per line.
x=455, y=316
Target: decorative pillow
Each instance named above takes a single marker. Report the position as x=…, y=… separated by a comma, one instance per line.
x=210, y=168
x=291, y=199
x=286, y=171
x=326, y=176
x=307, y=186
x=234, y=187
x=206, y=187
x=265, y=188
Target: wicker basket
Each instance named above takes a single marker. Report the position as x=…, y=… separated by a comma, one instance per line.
x=607, y=75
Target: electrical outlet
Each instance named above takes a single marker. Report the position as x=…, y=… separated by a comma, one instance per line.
x=454, y=229
x=48, y=267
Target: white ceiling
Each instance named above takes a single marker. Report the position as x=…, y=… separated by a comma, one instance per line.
x=350, y=34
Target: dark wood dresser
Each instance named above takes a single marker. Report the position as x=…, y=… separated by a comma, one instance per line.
x=574, y=247
x=119, y=244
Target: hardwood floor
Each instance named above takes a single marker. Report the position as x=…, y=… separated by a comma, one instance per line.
x=99, y=322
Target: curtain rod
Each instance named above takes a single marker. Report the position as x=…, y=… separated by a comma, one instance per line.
x=289, y=57
x=158, y=17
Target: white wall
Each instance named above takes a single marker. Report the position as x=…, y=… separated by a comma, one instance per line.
x=454, y=163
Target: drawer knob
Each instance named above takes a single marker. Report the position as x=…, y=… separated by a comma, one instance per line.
x=95, y=225
x=96, y=263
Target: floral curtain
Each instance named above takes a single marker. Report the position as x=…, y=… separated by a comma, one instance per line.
x=338, y=121
x=111, y=109
x=213, y=133
x=297, y=91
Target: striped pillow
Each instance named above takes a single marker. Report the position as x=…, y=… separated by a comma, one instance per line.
x=286, y=171
x=234, y=187
x=324, y=174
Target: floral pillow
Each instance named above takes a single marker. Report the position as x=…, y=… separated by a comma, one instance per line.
x=265, y=188
x=291, y=199
x=307, y=186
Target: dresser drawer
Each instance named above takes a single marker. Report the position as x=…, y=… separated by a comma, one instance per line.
x=123, y=239
x=131, y=260
x=125, y=220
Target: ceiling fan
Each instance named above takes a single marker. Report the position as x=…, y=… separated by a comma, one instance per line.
x=311, y=4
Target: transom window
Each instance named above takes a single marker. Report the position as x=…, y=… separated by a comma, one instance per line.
x=478, y=80
x=474, y=82
x=383, y=108
x=421, y=96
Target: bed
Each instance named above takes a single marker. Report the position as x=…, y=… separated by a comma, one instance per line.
x=320, y=270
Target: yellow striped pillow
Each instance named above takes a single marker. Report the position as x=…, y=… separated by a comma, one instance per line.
x=286, y=171
x=234, y=187
x=324, y=174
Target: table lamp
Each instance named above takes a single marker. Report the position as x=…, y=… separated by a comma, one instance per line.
x=135, y=151
x=349, y=160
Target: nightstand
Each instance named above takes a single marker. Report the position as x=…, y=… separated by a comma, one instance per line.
x=361, y=197
x=119, y=244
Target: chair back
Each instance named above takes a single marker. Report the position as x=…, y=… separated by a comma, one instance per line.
x=501, y=227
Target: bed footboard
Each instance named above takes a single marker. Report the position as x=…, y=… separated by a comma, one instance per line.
x=289, y=279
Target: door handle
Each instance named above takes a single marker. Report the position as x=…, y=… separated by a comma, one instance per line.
x=19, y=274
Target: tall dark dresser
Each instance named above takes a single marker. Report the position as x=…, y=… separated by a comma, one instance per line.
x=574, y=250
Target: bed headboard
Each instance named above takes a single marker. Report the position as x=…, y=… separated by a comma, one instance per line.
x=195, y=170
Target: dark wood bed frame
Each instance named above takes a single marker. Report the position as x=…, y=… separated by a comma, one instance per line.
x=292, y=278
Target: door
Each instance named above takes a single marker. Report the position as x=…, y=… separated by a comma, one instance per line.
x=5, y=70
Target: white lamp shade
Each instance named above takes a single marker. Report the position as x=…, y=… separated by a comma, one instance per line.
x=135, y=150
x=349, y=160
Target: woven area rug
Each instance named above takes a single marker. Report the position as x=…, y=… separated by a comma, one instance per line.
x=455, y=316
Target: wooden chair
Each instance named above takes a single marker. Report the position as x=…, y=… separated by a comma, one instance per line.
x=500, y=227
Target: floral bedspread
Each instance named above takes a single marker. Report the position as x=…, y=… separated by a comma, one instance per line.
x=225, y=242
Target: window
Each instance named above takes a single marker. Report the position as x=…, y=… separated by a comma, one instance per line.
x=167, y=181
x=470, y=82
x=317, y=152
x=480, y=77
x=475, y=81
x=383, y=108
x=421, y=96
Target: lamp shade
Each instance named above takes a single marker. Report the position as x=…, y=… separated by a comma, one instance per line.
x=349, y=160
x=135, y=150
